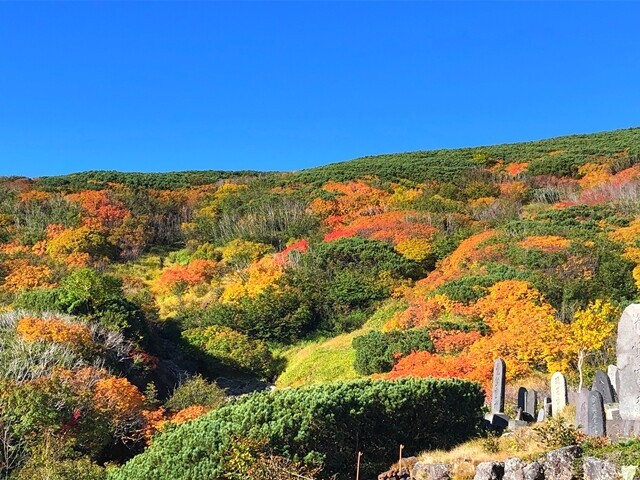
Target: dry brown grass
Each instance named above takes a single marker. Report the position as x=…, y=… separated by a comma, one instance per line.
x=522, y=443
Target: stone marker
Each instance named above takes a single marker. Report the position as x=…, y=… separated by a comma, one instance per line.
x=602, y=384
x=541, y=415
x=522, y=399
x=582, y=415
x=499, y=382
x=628, y=355
x=596, y=422
x=558, y=393
x=547, y=406
x=612, y=373
x=531, y=403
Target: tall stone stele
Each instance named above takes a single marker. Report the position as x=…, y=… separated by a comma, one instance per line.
x=558, y=393
x=628, y=353
x=499, y=383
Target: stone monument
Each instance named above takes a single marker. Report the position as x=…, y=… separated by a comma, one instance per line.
x=602, y=384
x=628, y=356
x=499, y=383
x=558, y=393
x=596, y=421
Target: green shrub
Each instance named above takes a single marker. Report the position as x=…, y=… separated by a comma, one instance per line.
x=272, y=315
x=326, y=424
x=195, y=391
x=229, y=351
x=378, y=352
x=54, y=469
x=556, y=432
x=93, y=296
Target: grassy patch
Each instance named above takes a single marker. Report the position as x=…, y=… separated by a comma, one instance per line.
x=329, y=359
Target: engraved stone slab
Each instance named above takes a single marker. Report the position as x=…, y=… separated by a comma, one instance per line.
x=602, y=384
x=558, y=392
x=499, y=382
x=612, y=373
x=582, y=416
x=531, y=403
x=596, y=423
x=628, y=360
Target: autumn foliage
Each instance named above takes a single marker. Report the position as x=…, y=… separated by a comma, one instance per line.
x=432, y=263
x=34, y=329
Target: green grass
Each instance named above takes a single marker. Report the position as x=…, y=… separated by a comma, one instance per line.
x=331, y=359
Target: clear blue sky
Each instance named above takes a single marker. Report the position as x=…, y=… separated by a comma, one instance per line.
x=283, y=86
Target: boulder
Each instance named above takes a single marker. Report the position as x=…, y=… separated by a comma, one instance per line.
x=489, y=471
x=559, y=464
x=514, y=469
x=598, y=469
x=533, y=471
x=395, y=474
x=431, y=471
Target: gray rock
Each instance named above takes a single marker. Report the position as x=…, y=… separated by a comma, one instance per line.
x=395, y=474
x=559, y=464
x=533, y=471
x=431, y=471
x=514, y=469
x=597, y=469
x=489, y=471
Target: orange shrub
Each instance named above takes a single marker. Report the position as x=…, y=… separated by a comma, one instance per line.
x=34, y=329
x=545, y=243
x=188, y=414
x=515, y=169
x=117, y=396
x=24, y=276
x=183, y=276
x=453, y=341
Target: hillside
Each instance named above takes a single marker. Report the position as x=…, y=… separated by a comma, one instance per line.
x=117, y=287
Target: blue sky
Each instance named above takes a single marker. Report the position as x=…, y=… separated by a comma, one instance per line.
x=146, y=86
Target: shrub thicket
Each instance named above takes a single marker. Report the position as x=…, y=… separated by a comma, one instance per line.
x=377, y=352
x=326, y=424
